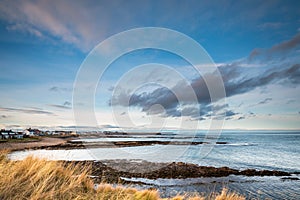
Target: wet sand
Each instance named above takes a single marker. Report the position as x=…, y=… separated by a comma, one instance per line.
x=42, y=143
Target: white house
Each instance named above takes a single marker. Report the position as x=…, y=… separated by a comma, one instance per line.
x=4, y=135
x=9, y=134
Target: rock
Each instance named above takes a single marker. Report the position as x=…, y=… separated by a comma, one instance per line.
x=290, y=178
x=112, y=170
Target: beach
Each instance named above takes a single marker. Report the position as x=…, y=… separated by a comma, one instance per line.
x=42, y=142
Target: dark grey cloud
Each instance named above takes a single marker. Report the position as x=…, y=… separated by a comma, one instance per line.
x=251, y=114
x=245, y=116
x=242, y=117
x=291, y=75
x=60, y=106
x=235, y=85
x=266, y=100
x=65, y=105
x=3, y=116
x=27, y=111
x=230, y=113
x=225, y=114
x=237, y=78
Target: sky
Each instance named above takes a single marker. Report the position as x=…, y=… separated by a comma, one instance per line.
x=255, y=46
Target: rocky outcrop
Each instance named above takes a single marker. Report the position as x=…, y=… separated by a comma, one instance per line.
x=111, y=171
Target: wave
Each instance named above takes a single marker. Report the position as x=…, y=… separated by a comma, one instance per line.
x=240, y=144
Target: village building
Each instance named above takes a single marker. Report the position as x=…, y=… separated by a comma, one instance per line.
x=9, y=134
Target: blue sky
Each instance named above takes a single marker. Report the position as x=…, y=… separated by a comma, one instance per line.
x=255, y=44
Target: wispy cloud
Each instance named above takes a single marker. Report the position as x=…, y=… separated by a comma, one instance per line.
x=3, y=116
x=72, y=21
x=27, y=111
x=270, y=25
x=290, y=101
x=278, y=51
x=59, y=89
x=65, y=105
x=66, y=21
x=287, y=45
x=265, y=101
x=242, y=117
x=25, y=28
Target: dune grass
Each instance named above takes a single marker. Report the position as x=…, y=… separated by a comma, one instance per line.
x=34, y=178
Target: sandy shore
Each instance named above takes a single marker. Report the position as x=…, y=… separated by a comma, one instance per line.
x=43, y=142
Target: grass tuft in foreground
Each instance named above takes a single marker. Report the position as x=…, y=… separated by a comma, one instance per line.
x=34, y=178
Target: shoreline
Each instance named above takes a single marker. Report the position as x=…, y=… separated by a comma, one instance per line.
x=70, y=144
x=67, y=143
x=43, y=142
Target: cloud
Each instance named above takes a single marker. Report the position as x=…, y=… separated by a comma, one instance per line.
x=230, y=113
x=267, y=100
x=235, y=83
x=60, y=106
x=25, y=28
x=65, y=105
x=82, y=24
x=290, y=101
x=277, y=51
x=270, y=25
x=287, y=45
x=3, y=116
x=27, y=111
x=237, y=80
x=56, y=18
x=85, y=23
x=87, y=128
x=240, y=118
x=59, y=89
x=290, y=75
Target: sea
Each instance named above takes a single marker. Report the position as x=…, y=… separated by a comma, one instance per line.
x=261, y=150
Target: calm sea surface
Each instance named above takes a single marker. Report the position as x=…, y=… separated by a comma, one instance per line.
x=272, y=150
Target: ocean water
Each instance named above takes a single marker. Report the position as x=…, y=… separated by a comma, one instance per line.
x=271, y=150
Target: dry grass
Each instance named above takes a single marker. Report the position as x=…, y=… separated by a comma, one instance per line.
x=34, y=178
